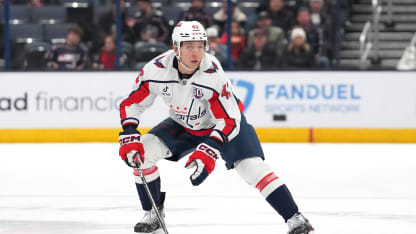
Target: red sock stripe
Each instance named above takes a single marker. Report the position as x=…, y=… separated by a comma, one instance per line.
x=147, y=171
x=266, y=181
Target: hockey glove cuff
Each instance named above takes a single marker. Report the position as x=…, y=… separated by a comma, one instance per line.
x=203, y=158
x=131, y=147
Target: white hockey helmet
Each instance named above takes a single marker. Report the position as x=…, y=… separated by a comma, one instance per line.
x=189, y=31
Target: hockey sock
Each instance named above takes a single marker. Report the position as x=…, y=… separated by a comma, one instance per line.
x=154, y=187
x=282, y=201
x=153, y=181
x=259, y=175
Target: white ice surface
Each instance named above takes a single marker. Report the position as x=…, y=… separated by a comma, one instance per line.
x=87, y=189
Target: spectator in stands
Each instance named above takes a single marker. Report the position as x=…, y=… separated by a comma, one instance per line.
x=215, y=47
x=149, y=19
x=298, y=52
x=107, y=25
x=261, y=55
x=106, y=59
x=238, y=40
x=280, y=16
x=107, y=21
x=344, y=13
x=69, y=56
x=275, y=35
x=314, y=36
x=196, y=12
x=303, y=20
x=321, y=18
x=149, y=35
x=220, y=17
x=295, y=5
x=319, y=15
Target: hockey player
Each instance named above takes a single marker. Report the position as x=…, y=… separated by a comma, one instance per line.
x=205, y=120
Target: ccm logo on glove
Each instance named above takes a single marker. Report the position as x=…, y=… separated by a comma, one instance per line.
x=131, y=147
x=208, y=150
x=129, y=139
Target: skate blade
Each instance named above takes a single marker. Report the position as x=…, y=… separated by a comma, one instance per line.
x=158, y=231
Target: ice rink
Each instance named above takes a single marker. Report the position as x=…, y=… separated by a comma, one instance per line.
x=87, y=189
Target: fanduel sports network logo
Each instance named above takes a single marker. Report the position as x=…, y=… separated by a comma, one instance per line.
x=249, y=88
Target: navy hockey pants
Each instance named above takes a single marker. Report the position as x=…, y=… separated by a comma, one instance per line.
x=180, y=142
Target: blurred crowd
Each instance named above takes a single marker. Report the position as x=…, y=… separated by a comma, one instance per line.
x=266, y=35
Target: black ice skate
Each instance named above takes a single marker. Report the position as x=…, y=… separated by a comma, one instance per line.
x=149, y=223
x=298, y=224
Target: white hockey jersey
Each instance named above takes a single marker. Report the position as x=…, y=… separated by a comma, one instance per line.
x=203, y=104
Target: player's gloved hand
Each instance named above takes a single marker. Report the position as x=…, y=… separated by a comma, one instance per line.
x=203, y=158
x=131, y=147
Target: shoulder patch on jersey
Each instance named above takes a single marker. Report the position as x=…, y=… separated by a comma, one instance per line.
x=212, y=69
x=197, y=92
x=158, y=63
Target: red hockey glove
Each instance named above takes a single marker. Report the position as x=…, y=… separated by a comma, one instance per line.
x=131, y=146
x=203, y=158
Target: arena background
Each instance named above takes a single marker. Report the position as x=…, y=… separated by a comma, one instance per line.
x=361, y=97
x=340, y=136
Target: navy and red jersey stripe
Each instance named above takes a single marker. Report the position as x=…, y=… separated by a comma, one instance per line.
x=135, y=97
x=220, y=113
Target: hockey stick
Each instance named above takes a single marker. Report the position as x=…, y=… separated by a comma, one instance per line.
x=159, y=216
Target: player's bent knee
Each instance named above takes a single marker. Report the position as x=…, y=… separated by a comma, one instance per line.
x=154, y=150
x=258, y=174
x=252, y=170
